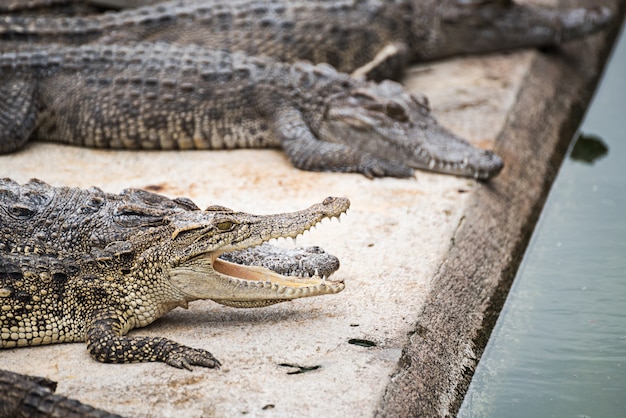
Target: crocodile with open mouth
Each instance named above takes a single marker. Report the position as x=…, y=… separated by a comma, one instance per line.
x=83, y=265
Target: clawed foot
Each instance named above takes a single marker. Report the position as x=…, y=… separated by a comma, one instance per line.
x=372, y=167
x=185, y=357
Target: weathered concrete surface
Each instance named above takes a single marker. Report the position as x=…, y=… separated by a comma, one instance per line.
x=427, y=262
x=473, y=280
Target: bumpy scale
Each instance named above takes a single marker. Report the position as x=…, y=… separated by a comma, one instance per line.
x=372, y=38
x=30, y=396
x=160, y=96
x=83, y=265
x=347, y=34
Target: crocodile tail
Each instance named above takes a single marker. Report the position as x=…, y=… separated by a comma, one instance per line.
x=23, y=395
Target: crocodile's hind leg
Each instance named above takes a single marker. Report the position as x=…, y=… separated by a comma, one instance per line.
x=106, y=343
x=389, y=63
x=307, y=152
x=18, y=113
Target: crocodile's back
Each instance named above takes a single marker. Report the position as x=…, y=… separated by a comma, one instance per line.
x=346, y=34
x=149, y=96
x=39, y=219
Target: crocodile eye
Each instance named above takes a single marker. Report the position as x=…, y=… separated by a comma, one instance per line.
x=225, y=226
x=396, y=111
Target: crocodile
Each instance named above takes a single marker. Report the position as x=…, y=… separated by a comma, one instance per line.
x=83, y=265
x=87, y=266
x=163, y=96
x=372, y=37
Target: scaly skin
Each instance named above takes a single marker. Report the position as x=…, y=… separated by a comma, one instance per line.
x=159, y=96
x=82, y=265
x=29, y=396
x=54, y=227
x=371, y=38
x=19, y=5
x=347, y=34
x=49, y=8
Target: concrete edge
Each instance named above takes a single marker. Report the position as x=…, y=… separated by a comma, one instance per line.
x=470, y=288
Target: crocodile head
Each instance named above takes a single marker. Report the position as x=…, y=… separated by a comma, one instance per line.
x=388, y=122
x=478, y=26
x=198, y=238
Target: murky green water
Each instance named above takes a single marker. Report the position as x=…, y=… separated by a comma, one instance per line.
x=559, y=347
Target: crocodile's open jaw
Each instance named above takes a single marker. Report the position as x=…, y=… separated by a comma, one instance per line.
x=209, y=277
x=201, y=274
x=262, y=274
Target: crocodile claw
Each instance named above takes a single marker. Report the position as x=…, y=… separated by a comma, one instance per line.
x=186, y=357
x=372, y=167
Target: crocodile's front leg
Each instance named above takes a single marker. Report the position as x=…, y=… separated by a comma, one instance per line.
x=307, y=152
x=107, y=343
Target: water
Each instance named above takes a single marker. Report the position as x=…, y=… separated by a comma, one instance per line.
x=559, y=347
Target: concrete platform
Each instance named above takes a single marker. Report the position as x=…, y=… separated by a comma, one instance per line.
x=427, y=262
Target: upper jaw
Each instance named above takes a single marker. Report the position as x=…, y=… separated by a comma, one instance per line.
x=439, y=150
x=481, y=165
